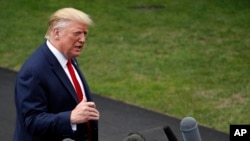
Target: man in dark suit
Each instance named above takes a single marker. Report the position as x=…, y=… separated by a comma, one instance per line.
x=53, y=100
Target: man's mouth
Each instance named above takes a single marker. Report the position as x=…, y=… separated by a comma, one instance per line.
x=78, y=47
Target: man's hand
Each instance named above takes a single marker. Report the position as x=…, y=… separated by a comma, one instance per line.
x=84, y=112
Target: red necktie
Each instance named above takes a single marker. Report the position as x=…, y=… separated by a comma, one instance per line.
x=78, y=90
x=75, y=81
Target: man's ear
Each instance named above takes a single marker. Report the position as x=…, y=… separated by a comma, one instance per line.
x=55, y=33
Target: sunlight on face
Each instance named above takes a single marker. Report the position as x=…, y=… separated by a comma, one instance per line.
x=71, y=39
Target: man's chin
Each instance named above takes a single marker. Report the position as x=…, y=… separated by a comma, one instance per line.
x=76, y=54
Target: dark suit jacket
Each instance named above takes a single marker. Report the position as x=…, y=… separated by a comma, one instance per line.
x=44, y=98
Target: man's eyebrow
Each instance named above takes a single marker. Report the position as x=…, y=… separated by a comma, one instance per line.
x=79, y=32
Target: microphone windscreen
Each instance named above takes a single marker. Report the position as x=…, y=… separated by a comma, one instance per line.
x=189, y=129
x=170, y=135
x=134, y=137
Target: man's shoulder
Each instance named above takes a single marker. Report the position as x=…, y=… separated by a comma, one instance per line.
x=37, y=60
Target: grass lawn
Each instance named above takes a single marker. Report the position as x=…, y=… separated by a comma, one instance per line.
x=181, y=58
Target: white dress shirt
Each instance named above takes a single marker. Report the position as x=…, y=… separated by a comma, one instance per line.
x=63, y=62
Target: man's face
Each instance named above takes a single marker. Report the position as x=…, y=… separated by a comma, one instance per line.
x=71, y=39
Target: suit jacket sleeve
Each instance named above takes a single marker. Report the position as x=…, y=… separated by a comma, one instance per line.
x=32, y=106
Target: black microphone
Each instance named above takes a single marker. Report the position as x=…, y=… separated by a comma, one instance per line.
x=189, y=129
x=170, y=135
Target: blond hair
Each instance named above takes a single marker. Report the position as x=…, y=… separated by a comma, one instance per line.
x=61, y=18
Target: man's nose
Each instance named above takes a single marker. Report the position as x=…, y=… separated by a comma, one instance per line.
x=82, y=38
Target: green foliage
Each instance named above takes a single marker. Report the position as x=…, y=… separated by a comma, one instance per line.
x=182, y=58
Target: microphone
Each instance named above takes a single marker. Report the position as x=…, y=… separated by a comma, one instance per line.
x=170, y=135
x=135, y=137
x=189, y=129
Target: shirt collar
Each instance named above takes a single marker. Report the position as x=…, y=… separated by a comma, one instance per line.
x=59, y=56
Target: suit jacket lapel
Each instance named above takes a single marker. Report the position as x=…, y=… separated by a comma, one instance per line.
x=60, y=73
x=65, y=80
